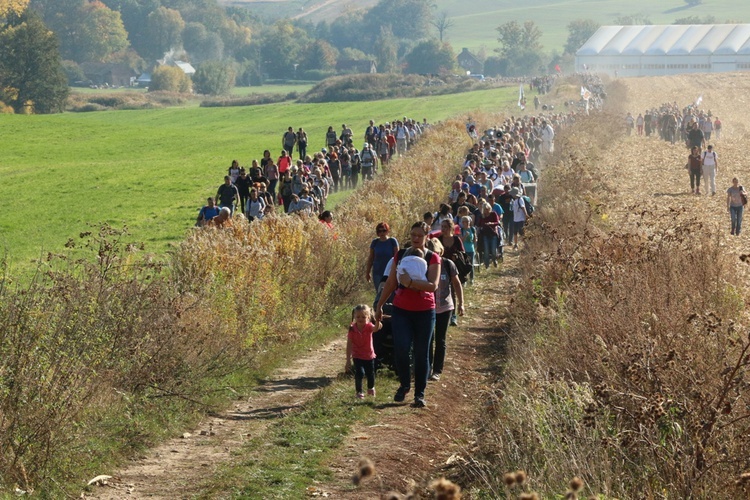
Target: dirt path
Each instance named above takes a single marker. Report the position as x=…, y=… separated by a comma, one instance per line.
x=177, y=468
x=414, y=445
x=405, y=444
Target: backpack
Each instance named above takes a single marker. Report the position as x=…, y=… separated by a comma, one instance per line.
x=463, y=265
x=529, y=206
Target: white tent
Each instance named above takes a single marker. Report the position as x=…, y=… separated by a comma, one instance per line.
x=666, y=49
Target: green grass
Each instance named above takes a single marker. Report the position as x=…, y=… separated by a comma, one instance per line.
x=153, y=169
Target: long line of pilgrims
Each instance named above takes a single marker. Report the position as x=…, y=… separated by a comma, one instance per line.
x=303, y=185
x=503, y=157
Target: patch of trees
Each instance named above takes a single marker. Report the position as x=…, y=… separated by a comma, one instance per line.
x=31, y=75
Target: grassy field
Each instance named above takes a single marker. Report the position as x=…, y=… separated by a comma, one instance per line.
x=153, y=169
x=475, y=25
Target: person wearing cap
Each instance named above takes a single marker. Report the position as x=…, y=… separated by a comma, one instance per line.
x=710, y=162
x=518, y=207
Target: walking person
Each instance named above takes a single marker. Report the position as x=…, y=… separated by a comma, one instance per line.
x=413, y=317
x=736, y=200
x=695, y=170
x=445, y=307
x=301, y=143
x=518, y=207
x=228, y=195
x=288, y=141
x=360, y=349
x=710, y=162
x=382, y=250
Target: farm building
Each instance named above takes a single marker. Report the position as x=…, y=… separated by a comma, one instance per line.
x=666, y=50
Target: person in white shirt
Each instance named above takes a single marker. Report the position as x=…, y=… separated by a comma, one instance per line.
x=710, y=162
x=518, y=206
x=548, y=137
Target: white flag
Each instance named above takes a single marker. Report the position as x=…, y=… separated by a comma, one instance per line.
x=521, y=99
x=585, y=93
x=698, y=101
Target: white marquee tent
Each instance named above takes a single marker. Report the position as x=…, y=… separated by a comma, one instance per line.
x=666, y=49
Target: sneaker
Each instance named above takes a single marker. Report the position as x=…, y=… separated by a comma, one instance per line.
x=435, y=377
x=454, y=322
x=401, y=394
x=419, y=403
x=515, y=247
x=371, y=392
x=360, y=395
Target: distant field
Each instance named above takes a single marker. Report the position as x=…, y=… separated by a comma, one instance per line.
x=475, y=22
x=153, y=169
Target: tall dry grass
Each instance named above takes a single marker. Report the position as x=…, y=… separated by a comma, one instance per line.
x=104, y=334
x=629, y=360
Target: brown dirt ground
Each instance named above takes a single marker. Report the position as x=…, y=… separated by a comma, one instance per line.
x=406, y=444
x=413, y=446
x=178, y=468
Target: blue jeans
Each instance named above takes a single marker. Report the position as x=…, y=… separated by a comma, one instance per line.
x=364, y=368
x=736, y=215
x=412, y=327
x=490, y=248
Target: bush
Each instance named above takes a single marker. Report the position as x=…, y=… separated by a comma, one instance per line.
x=316, y=75
x=5, y=109
x=622, y=367
x=88, y=107
x=165, y=98
x=251, y=100
x=169, y=79
x=73, y=72
x=104, y=335
x=214, y=78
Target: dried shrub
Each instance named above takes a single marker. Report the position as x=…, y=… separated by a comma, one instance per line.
x=629, y=361
x=104, y=334
x=90, y=334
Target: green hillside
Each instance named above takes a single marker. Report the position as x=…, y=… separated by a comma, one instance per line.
x=153, y=169
x=475, y=22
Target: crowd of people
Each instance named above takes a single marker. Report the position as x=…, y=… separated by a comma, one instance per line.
x=695, y=128
x=419, y=289
x=673, y=124
x=303, y=185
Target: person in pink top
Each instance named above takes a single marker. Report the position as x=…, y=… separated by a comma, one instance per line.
x=413, y=317
x=359, y=347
